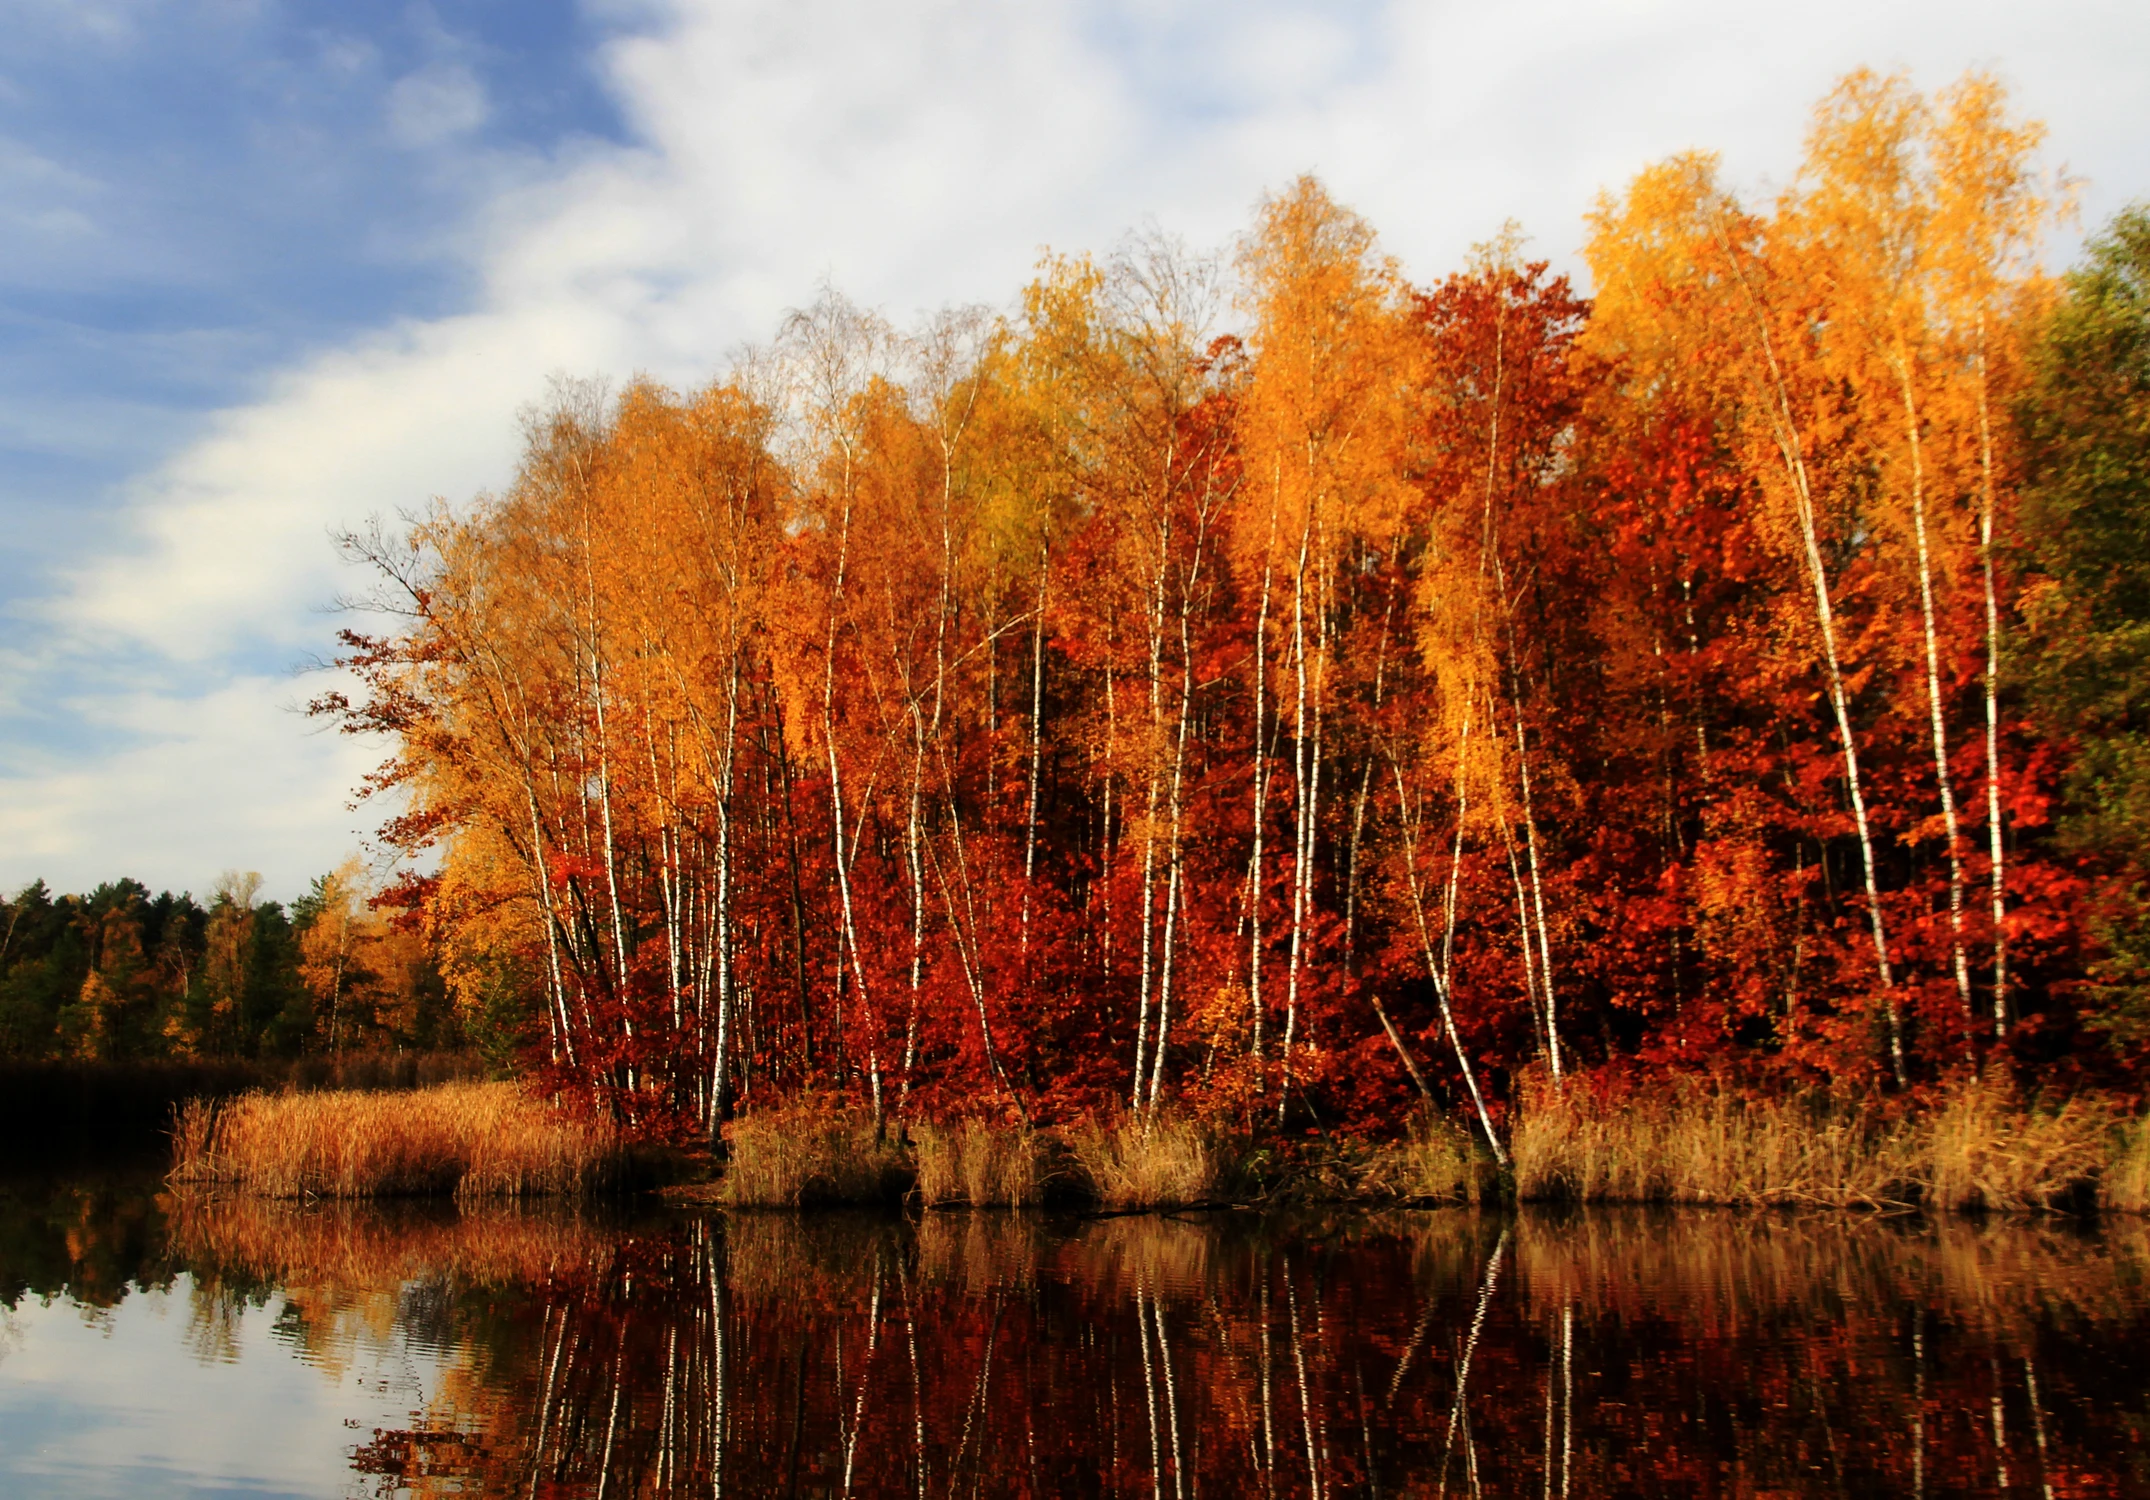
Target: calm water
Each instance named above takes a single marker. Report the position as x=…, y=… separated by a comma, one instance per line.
x=154, y=1347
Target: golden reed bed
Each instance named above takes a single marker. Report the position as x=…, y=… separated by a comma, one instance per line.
x=1123, y=1162
x=471, y=1140
x=1976, y=1148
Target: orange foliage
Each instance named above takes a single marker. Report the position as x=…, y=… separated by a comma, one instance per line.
x=1394, y=692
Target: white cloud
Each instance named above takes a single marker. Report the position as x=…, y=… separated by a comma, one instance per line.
x=434, y=104
x=139, y=1397
x=230, y=543
x=23, y=169
x=919, y=151
x=101, y=20
x=187, y=784
x=39, y=201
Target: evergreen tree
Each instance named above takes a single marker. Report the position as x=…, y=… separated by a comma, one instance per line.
x=2087, y=424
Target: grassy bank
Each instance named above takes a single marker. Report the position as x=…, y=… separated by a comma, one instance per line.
x=798, y=1157
x=1124, y=1163
x=1976, y=1148
x=801, y=1157
x=471, y=1140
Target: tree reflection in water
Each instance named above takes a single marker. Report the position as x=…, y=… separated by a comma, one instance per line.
x=1410, y=1354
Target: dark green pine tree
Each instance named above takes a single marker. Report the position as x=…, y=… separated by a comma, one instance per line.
x=276, y=1011
x=42, y=961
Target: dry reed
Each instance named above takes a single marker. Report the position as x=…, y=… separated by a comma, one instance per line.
x=979, y=1164
x=472, y=1140
x=1705, y=1148
x=1977, y=1148
x=1148, y=1161
x=2125, y=1187
x=1982, y=1150
x=788, y=1158
x=1435, y=1163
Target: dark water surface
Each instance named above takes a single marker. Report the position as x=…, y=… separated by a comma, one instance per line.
x=154, y=1346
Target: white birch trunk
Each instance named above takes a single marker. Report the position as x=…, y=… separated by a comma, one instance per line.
x=1959, y=962
x=1992, y=695
x=836, y=812
x=1037, y=730
x=1437, y=967
x=1791, y=450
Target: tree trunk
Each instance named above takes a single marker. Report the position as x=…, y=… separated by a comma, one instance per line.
x=1960, y=964
x=1261, y=779
x=1303, y=786
x=1993, y=695
x=1792, y=452
x=1037, y=728
x=850, y=942
x=1437, y=967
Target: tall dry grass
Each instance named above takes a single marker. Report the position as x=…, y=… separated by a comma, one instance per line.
x=472, y=1140
x=1436, y=1162
x=1979, y=1147
x=982, y=1165
x=1152, y=1160
x=794, y=1157
x=1706, y=1147
x=2125, y=1186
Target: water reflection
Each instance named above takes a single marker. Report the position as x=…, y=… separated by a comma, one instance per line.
x=1413, y=1354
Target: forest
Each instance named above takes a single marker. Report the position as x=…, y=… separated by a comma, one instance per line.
x=1259, y=686
x=119, y=976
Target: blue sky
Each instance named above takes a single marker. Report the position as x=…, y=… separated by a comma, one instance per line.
x=267, y=268
x=195, y=196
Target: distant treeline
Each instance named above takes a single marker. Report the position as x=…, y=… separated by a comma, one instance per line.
x=120, y=975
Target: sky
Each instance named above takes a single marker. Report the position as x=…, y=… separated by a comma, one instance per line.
x=191, y=1390
x=270, y=269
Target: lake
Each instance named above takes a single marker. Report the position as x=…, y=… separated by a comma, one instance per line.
x=153, y=1345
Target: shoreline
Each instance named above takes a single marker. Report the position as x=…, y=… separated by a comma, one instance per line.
x=1977, y=1148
